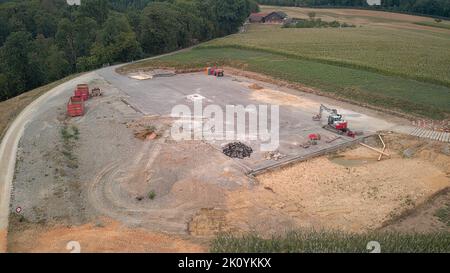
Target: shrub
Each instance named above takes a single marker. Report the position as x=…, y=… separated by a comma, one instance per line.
x=151, y=195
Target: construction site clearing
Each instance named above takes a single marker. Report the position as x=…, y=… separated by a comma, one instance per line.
x=116, y=170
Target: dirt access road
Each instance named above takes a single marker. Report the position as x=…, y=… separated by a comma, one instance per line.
x=197, y=190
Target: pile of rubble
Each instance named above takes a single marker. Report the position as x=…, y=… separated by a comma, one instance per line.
x=275, y=155
x=146, y=133
x=440, y=126
x=237, y=150
x=255, y=86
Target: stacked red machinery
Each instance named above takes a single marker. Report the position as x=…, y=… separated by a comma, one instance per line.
x=214, y=71
x=75, y=106
x=82, y=91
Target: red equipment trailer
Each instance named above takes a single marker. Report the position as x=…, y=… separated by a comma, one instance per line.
x=75, y=106
x=82, y=91
x=214, y=71
x=218, y=72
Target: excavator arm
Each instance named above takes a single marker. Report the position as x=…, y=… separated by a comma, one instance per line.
x=324, y=108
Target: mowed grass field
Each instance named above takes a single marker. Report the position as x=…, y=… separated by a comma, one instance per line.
x=392, y=46
x=387, y=61
x=418, y=54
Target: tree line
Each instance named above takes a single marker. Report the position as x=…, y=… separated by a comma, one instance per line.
x=428, y=7
x=44, y=40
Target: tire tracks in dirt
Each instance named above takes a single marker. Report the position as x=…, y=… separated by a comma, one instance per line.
x=106, y=195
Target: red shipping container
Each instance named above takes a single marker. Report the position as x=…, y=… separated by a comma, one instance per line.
x=82, y=91
x=75, y=106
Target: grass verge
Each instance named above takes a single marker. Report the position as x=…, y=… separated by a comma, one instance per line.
x=69, y=136
x=332, y=242
x=362, y=86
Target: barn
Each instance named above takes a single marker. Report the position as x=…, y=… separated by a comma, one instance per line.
x=276, y=17
x=257, y=17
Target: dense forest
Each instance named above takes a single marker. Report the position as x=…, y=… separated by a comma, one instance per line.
x=44, y=40
x=427, y=7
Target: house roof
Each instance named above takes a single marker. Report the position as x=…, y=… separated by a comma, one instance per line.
x=279, y=13
x=259, y=15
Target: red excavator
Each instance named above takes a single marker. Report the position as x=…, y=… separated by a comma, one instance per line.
x=336, y=123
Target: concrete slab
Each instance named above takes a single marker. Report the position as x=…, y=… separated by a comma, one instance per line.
x=159, y=95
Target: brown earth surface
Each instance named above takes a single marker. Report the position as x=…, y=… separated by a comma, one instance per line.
x=106, y=236
x=423, y=219
x=349, y=191
x=3, y=240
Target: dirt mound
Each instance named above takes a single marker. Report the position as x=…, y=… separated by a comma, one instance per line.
x=255, y=86
x=148, y=128
x=146, y=133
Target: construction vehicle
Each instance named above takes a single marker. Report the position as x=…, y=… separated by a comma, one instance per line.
x=336, y=122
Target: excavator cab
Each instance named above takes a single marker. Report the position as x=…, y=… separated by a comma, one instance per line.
x=337, y=122
x=334, y=118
